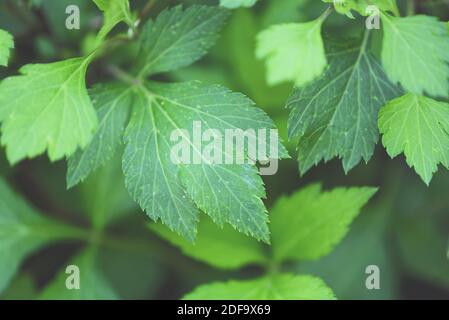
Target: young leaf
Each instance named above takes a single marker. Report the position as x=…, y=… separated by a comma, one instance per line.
x=113, y=102
x=278, y=287
x=179, y=37
x=115, y=11
x=293, y=52
x=226, y=192
x=22, y=231
x=92, y=283
x=233, y=4
x=6, y=44
x=220, y=247
x=362, y=6
x=53, y=112
x=249, y=72
x=336, y=115
x=416, y=53
x=310, y=223
x=419, y=127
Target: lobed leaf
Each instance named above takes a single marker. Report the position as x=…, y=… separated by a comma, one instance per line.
x=311, y=222
x=113, y=103
x=336, y=115
x=53, y=113
x=293, y=52
x=415, y=53
x=173, y=192
x=364, y=244
x=417, y=126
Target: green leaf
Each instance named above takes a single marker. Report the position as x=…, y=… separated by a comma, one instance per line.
x=22, y=231
x=150, y=176
x=54, y=113
x=173, y=192
x=419, y=127
x=336, y=115
x=92, y=283
x=311, y=222
x=233, y=4
x=250, y=72
x=279, y=287
x=113, y=102
x=115, y=11
x=365, y=245
x=220, y=247
x=178, y=38
x=6, y=44
x=416, y=53
x=362, y=6
x=293, y=52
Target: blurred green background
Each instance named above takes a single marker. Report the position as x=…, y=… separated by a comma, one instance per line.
x=404, y=229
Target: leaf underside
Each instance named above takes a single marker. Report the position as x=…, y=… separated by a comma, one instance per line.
x=336, y=115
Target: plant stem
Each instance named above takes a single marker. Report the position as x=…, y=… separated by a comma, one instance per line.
x=410, y=9
x=122, y=75
x=272, y=267
x=326, y=14
x=58, y=231
x=365, y=40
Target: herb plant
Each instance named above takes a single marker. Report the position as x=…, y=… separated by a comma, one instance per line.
x=109, y=109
